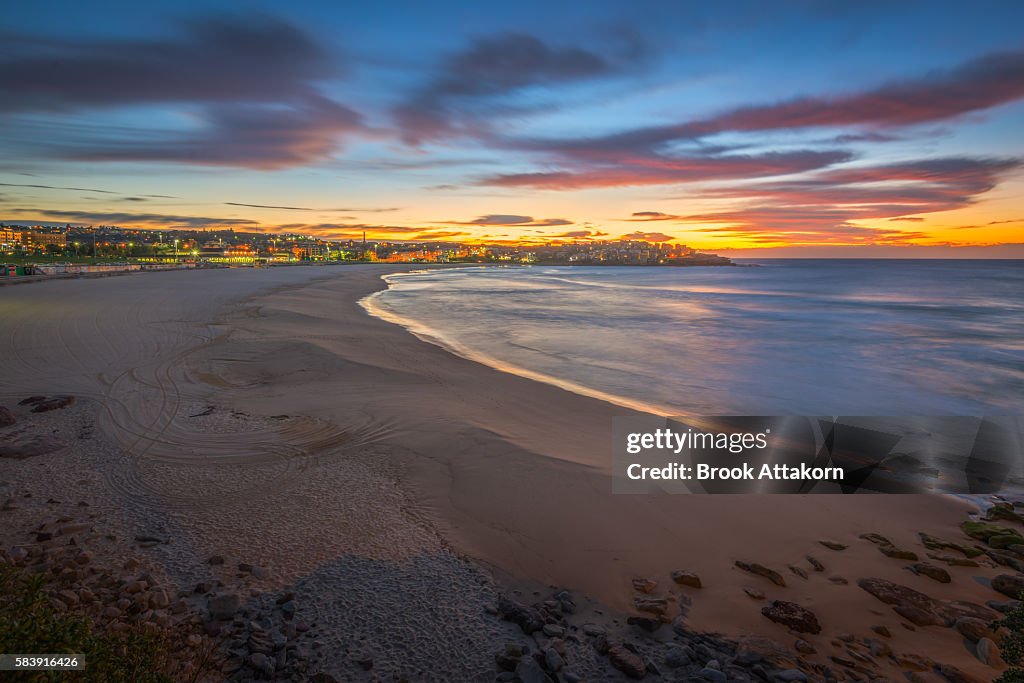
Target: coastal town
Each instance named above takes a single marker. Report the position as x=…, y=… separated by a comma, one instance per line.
x=230, y=247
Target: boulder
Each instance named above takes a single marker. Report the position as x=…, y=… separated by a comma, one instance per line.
x=833, y=545
x=627, y=661
x=793, y=616
x=6, y=417
x=224, y=606
x=526, y=618
x=1010, y=585
x=931, y=571
x=686, y=578
x=644, y=585
x=55, y=403
x=761, y=570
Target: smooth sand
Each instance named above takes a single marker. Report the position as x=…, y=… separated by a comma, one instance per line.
x=501, y=469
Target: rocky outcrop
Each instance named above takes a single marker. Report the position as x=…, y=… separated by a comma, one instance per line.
x=792, y=616
x=761, y=570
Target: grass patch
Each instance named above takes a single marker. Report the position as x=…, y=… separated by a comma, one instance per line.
x=30, y=624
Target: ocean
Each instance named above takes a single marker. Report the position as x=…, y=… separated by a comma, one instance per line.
x=782, y=337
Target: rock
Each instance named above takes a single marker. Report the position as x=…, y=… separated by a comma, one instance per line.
x=262, y=663
x=754, y=593
x=953, y=561
x=529, y=671
x=804, y=648
x=986, y=651
x=593, y=630
x=791, y=676
x=626, y=661
x=655, y=606
x=526, y=618
x=160, y=599
x=1006, y=559
x=918, y=608
x=644, y=585
x=798, y=571
x=148, y=541
x=552, y=660
x=709, y=674
x=31, y=400
x=508, y=659
x=1004, y=606
x=1009, y=585
x=215, y=560
x=9, y=505
x=972, y=629
x=554, y=630
x=934, y=543
x=931, y=571
x=645, y=623
x=30, y=447
x=224, y=606
x=55, y=403
x=954, y=675
x=818, y=566
x=761, y=570
x=686, y=578
x=983, y=531
x=6, y=417
x=882, y=631
x=838, y=580
x=832, y=545
x=918, y=616
x=793, y=616
x=897, y=554
x=676, y=657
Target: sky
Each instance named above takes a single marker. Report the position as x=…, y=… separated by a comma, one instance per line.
x=744, y=128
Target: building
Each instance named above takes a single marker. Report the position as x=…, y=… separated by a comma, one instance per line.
x=32, y=239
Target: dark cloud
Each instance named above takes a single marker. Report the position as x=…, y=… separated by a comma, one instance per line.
x=579, y=234
x=973, y=86
x=128, y=219
x=907, y=219
x=251, y=59
x=657, y=169
x=261, y=137
x=648, y=237
x=251, y=84
x=308, y=208
x=651, y=156
x=831, y=202
x=888, y=190
x=644, y=216
x=490, y=67
x=55, y=187
x=990, y=224
x=513, y=220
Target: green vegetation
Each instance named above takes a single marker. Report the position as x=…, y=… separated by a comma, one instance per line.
x=1011, y=648
x=29, y=624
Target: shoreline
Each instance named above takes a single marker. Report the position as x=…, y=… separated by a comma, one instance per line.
x=479, y=463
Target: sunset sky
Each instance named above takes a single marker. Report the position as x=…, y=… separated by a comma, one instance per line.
x=897, y=128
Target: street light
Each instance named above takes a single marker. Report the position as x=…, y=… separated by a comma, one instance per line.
x=175, y=251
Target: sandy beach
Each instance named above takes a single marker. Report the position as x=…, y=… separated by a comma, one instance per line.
x=261, y=416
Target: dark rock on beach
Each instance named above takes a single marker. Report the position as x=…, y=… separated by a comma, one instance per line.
x=761, y=570
x=793, y=616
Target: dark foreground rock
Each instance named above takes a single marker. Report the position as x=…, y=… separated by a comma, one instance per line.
x=793, y=616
